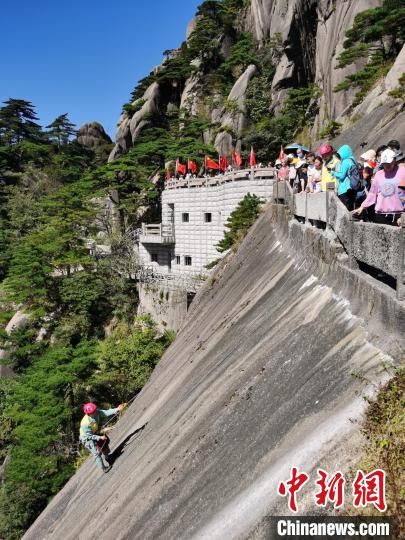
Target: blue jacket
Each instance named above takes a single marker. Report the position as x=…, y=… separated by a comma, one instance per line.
x=89, y=426
x=343, y=180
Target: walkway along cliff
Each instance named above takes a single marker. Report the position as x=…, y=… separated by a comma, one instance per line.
x=269, y=371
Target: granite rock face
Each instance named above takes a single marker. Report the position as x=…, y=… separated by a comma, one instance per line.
x=311, y=35
x=129, y=128
x=233, y=120
x=92, y=135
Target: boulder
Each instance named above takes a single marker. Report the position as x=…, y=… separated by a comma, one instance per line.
x=92, y=135
x=18, y=321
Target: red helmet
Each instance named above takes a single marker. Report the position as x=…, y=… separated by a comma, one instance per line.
x=89, y=408
x=325, y=149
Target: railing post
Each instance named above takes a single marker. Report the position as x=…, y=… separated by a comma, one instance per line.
x=330, y=187
x=352, y=259
x=292, y=199
x=306, y=206
x=401, y=260
x=276, y=200
x=252, y=174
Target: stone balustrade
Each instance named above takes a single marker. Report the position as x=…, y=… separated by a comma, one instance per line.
x=379, y=246
x=231, y=176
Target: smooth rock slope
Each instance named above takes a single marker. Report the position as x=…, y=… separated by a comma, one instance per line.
x=268, y=372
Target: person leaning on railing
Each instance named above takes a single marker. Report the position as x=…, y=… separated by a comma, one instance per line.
x=385, y=192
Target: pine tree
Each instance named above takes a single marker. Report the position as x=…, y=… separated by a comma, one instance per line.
x=17, y=122
x=61, y=130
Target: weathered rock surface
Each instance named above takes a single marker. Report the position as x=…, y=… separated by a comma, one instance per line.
x=234, y=119
x=312, y=34
x=130, y=128
x=244, y=393
x=92, y=135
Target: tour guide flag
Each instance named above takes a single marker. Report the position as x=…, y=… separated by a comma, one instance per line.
x=210, y=163
x=181, y=169
x=223, y=163
x=168, y=174
x=252, y=158
x=281, y=157
x=192, y=166
x=237, y=159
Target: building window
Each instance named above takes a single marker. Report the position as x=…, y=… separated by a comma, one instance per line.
x=208, y=217
x=177, y=259
x=185, y=217
x=154, y=257
x=187, y=260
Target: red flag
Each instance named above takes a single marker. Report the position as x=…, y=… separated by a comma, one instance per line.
x=223, y=163
x=192, y=166
x=237, y=159
x=210, y=163
x=181, y=169
x=282, y=155
x=168, y=175
x=252, y=158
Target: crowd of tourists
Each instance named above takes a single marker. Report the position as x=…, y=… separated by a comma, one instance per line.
x=372, y=187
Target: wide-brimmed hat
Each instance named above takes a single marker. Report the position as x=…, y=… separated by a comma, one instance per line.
x=370, y=155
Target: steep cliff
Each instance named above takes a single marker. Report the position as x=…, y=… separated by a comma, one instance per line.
x=295, y=44
x=269, y=372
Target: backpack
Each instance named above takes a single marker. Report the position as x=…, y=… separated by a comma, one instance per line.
x=354, y=176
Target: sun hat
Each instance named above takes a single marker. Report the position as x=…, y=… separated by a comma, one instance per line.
x=370, y=155
x=388, y=156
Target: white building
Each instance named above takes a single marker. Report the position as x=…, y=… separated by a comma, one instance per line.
x=194, y=214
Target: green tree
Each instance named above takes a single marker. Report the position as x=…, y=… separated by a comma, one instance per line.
x=17, y=122
x=42, y=414
x=61, y=130
x=128, y=357
x=239, y=222
x=377, y=34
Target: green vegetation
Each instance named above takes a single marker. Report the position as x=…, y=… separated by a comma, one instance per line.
x=384, y=430
x=128, y=357
x=377, y=35
x=269, y=133
x=399, y=93
x=239, y=222
x=48, y=185
x=331, y=130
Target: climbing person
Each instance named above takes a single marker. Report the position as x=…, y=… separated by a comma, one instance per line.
x=90, y=436
x=347, y=177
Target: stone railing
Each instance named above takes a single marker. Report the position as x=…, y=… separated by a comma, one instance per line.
x=149, y=275
x=232, y=176
x=157, y=234
x=379, y=246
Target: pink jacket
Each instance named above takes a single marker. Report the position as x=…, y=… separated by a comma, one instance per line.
x=384, y=192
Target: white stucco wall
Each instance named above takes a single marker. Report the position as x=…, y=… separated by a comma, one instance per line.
x=197, y=239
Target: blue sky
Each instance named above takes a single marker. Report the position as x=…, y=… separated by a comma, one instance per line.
x=84, y=57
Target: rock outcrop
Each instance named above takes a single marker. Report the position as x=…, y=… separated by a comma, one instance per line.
x=311, y=35
x=92, y=135
x=130, y=127
x=233, y=116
